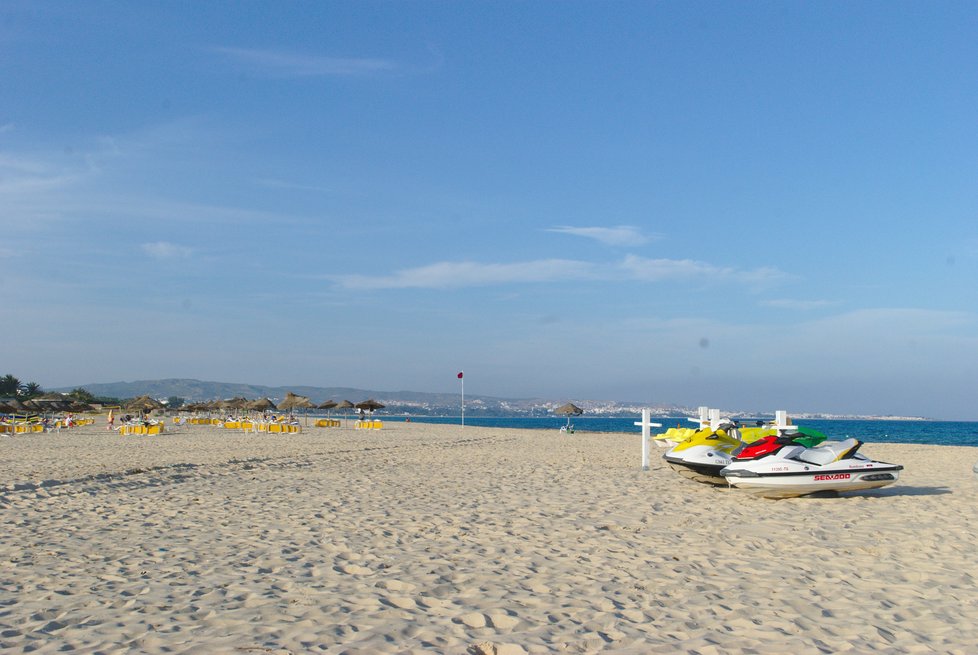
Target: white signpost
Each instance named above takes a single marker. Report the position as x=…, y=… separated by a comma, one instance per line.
x=781, y=422
x=647, y=425
x=704, y=419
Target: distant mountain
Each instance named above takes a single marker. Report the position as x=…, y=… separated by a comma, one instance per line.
x=415, y=402
x=194, y=390
x=406, y=402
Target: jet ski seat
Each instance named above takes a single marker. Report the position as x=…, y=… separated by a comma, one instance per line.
x=829, y=453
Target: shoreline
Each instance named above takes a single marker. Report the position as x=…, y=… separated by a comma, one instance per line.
x=628, y=417
x=424, y=537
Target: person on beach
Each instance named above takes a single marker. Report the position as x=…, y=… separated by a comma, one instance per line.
x=110, y=423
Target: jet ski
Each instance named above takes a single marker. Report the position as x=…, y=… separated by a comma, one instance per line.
x=673, y=436
x=780, y=467
x=702, y=455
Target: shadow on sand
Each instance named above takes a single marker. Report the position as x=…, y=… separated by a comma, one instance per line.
x=886, y=492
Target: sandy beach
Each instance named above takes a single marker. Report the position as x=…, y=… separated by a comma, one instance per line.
x=431, y=538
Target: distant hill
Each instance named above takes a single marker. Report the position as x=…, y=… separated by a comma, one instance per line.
x=194, y=390
x=411, y=402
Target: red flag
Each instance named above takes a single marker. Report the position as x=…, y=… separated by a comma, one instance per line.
x=460, y=375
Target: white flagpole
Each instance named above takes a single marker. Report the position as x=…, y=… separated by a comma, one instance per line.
x=462, y=378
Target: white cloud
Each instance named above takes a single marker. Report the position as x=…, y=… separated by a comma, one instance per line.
x=444, y=275
x=21, y=174
x=622, y=235
x=166, y=250
x=285, y=64
x=656, y=270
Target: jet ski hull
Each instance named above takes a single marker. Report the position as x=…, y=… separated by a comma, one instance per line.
x=706, y=473
x=789, y=484
x=701, y=462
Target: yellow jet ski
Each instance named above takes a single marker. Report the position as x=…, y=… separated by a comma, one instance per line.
x=701, y=455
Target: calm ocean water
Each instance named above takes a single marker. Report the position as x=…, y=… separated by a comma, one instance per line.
x=945, y=433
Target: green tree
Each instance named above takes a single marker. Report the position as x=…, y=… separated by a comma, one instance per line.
x=9, y=385
x=30, y=390
x=82, y=394
x=175, y=402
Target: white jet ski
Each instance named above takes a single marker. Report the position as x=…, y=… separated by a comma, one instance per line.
x=777, y=467
x=704, y=453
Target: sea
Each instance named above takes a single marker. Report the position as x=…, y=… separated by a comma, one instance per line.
x=942, y=433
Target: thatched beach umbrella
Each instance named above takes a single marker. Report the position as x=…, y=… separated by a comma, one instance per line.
x=233, y=403
x=327, y=405
x=305, y=403
x=570, y=409
x=261, y=405
x=209, y=405
x=292, y=401
x=369, y=405
x=143, y=404
x=344, y=404
x=17, y=406
x=52, y=402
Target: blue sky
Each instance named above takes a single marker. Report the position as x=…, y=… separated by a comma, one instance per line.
x=746, y=205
